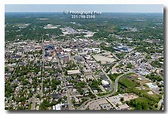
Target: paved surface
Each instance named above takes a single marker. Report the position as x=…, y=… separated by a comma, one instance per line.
x=64, y=80
x=115, y=89
x=160, y=102
x=33, y=102
x=69, y=100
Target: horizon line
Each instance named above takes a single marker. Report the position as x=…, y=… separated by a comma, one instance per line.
x=63, y=11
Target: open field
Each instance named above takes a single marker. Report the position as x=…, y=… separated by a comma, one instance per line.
x=103, y=59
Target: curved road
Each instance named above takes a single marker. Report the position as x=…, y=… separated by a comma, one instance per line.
x=160, y=102
x=84, y=105
x=115, y=89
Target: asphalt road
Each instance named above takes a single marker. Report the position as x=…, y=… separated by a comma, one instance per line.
x=84, y=105
x=64, y=80
x=160, y=102
x=33, y=102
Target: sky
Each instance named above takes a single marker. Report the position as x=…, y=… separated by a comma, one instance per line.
x=134, y=8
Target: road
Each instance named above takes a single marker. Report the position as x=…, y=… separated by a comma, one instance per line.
x=33, y=102
x=42, y=73
x=63, y=78
x=85, y=104
x=69, y=100
x=115, y=89
x=111, y=83
x=85, y=78
x=160, y=102
x=116, y=82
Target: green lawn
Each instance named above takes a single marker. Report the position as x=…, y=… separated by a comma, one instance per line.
x=144, y=102
x=127, y=83
x=114, y=76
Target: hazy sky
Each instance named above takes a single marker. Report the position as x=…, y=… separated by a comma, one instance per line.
x=103, y=8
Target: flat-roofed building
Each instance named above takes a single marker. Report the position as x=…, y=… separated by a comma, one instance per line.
x=124, y=107
x=73, y=72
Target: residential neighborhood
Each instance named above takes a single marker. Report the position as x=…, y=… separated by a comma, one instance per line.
x=112, y=62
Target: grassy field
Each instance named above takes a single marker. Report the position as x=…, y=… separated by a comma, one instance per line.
x=142, y=103
x=128, y=83
x=145, y=101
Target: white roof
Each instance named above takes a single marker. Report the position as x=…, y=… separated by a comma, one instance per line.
x=124, y=106
x=104, y=82
x=73, y=71
x=67, y=49
x=58, y=106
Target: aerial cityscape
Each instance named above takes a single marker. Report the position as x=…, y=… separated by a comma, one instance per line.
x=84, y=60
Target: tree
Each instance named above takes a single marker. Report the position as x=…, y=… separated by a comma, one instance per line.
x=148, y=56
x=156, y=105
x=44, y=105
x=38, y=96
x=117, y=105
x=138, y=107
x=122, y=99
x=129, y=65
